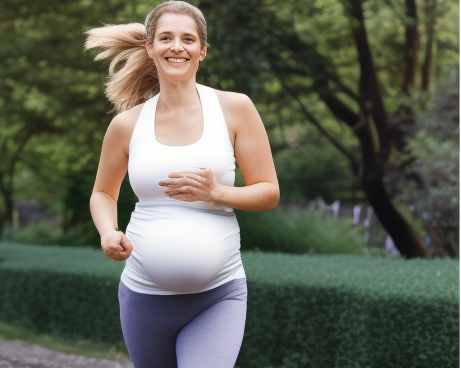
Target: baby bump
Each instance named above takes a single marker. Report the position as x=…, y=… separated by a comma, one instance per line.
x=182, y=255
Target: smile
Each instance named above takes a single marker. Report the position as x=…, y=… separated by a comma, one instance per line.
x=176, y=60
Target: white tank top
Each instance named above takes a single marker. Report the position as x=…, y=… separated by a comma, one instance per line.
x=181, y=247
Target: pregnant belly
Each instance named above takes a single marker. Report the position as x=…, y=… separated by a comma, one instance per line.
x=181, y=256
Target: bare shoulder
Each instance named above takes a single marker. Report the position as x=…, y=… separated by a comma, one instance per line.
x=126, y=120
x=239, y=111
x=122, y=126
x=234, y=101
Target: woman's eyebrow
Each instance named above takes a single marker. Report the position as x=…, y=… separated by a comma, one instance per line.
x=183, y=34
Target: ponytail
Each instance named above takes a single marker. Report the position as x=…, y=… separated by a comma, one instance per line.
x=132, y=74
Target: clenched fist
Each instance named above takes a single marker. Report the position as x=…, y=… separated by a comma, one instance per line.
x=116, y=245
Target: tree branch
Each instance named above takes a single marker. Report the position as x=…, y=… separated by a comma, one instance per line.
x=353, y=162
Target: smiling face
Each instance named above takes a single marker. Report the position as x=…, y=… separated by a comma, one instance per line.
x=175, y=47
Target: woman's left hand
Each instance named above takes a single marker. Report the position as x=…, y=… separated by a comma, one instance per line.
x=190, y=186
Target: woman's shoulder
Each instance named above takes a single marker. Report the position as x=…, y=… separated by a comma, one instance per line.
x=233, y=100
x=121, y=128
x=126, y=120
x=238, y=109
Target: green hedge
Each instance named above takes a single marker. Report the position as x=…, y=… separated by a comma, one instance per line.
x=349, y=311
x=298, y=232
x=303, y=311
x=70, y=292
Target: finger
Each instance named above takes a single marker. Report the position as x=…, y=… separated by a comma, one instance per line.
x=183, y=181
x=117, y=256
x=126, y=244
x=187, y=194
x=195, y=174
x=186, y=190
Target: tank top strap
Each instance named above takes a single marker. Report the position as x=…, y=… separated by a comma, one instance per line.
x=143, y=131
x=215, y=126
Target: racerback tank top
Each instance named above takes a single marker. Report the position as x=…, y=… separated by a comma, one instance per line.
x=181, y=247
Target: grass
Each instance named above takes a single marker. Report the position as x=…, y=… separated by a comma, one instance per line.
x=80, y=347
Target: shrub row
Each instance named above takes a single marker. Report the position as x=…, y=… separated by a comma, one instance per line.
x=288, y=231
x=303, y=311
x=298, y=232
x=351, y=312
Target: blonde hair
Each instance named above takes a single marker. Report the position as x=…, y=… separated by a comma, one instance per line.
x=132, y=73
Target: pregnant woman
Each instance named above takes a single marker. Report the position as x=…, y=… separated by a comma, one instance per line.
x=183, y=290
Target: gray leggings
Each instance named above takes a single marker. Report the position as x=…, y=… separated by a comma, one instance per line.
x=201, y=330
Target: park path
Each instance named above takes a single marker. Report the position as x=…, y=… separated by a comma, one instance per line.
x=17, y=354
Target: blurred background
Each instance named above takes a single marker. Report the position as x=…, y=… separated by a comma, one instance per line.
x=360, y=99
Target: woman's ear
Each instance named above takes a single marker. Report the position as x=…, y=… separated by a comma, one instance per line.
x=203, y=54
x=150, y=50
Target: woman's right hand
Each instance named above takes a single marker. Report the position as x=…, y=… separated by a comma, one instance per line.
x=116, y=245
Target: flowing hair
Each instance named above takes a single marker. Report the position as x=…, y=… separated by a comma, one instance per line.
x=132, y=77
x=132, y=74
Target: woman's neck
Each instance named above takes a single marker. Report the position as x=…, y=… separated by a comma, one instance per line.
x=173, y=95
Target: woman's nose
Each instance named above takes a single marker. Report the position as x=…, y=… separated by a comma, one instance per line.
x=177, y=45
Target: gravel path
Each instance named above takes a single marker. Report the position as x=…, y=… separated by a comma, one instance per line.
x=17, y=354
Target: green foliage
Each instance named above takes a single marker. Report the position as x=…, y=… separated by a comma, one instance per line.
x=42, y=233
x=303, y=311
x=82, y=231
x=344, y=311
x=63, y=291
x=431, y=187
x=54, y=114
x=50, y=233
x=307, y=55
x=310, y=171
x=297, y=231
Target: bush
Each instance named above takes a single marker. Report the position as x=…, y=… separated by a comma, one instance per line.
x=295, y=231
x=69, y=292
x=312, y=170
x=350, y=312
x=304, y=310
x=49, y=233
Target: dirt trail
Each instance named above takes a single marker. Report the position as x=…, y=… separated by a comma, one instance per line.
x=17, y=354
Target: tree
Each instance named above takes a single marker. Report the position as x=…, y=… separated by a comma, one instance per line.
x=430, y=184
x=51, y=93
x=336, y=71
x=270, y=43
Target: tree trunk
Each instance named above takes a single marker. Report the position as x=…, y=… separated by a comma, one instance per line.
x=411, y=46
x=406, y=240
x=6, y=214
x=2, y=227
x=429, y=48
x=7, y=170
x=372, y=130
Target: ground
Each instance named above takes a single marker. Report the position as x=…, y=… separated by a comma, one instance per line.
x=17, y=354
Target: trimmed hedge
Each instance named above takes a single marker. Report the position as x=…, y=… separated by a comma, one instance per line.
x=69, y=292
x=351, y=312
x=303, y=311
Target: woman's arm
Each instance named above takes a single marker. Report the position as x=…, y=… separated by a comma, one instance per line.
x=254, y=158
x=112, y=169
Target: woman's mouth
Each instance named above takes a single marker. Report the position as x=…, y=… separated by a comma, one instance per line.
x=176, y=60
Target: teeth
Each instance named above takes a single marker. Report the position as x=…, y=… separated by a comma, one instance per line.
x=176, y=60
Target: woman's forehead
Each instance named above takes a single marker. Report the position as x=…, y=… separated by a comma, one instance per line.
x=171, y=22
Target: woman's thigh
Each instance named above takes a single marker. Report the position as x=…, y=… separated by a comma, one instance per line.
x=187, y=331
x=149, y=333
x=214, y=337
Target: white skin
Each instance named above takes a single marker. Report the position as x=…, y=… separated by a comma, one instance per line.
x=176, y=52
